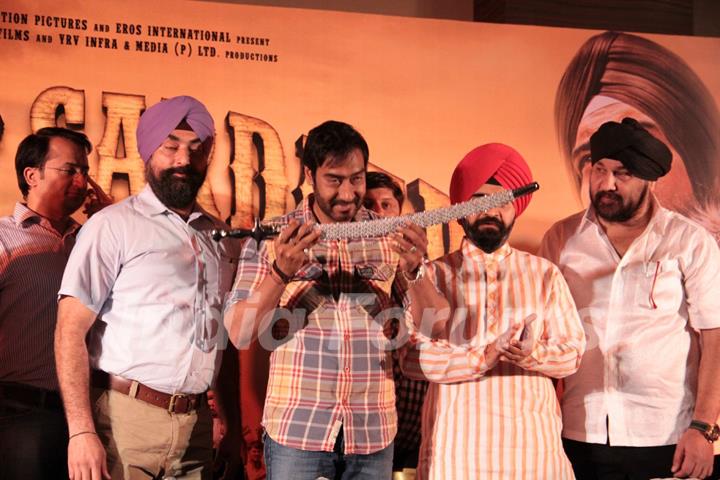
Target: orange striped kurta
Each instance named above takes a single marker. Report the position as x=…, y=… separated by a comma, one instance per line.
x=503, y=422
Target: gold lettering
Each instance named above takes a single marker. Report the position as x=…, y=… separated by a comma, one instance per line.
x=44, y=110
x=246, y=164
x=122, y=112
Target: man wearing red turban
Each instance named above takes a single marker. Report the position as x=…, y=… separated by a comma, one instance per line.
x=510, y=327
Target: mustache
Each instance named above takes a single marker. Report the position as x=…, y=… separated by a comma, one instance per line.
x=608, y=195
x=343, y=203
x=488, y=221
x=186, y=170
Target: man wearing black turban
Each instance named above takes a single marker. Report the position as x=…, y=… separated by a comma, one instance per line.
x=645, y=400
x=643, y=155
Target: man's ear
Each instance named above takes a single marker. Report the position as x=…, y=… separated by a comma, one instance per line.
x=32, y=176
x=308, y=177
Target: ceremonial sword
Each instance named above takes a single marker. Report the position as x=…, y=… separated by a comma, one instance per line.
x=384, y=226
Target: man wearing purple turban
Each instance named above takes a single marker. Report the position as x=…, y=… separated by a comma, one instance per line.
x=145, y=285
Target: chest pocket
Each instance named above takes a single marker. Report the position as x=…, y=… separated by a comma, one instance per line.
x=373, y=272
x=657, y=285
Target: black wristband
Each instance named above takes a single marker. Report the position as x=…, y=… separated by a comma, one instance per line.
x=283, y=276
x=710, y=432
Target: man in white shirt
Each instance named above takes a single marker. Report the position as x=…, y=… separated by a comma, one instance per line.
x=147, y=281
x=644, y=401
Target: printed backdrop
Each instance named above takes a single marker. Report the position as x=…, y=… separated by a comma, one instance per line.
x=422, y=92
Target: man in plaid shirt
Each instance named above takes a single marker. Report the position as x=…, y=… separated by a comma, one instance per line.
x=323, y=307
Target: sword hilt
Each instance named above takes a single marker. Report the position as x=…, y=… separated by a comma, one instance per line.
x=526, y=189
x=258, y=232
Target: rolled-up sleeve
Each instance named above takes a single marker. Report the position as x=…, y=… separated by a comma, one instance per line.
x=93, y=265
x=253, y=266
x=701, y=276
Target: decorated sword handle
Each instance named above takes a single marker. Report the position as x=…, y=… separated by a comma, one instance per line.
x=258, y=232
x=525, y=189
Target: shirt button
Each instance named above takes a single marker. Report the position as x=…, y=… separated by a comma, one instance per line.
x=347, y=369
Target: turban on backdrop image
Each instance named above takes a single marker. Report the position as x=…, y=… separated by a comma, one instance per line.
x=615, y=75
x=162, y=118
x=491, y=161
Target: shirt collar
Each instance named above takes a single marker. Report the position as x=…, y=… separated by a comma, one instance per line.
x=25, y=217
x=472, y=252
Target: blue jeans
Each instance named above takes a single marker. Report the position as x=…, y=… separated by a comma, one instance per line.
x=286, y=463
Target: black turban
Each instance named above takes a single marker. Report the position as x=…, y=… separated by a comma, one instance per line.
x=642, y=154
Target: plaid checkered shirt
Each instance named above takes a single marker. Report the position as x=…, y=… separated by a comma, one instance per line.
x=331, y=363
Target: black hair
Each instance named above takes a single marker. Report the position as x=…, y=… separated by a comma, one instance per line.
x=332, y=140
x=383, y=180
x=32, y=151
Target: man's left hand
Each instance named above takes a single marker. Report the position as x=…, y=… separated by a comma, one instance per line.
x=693, y=456
x=96, y=200
x=411, y=245
x=516, y=350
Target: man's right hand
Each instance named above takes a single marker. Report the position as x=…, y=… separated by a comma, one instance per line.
x=86, y=458
x=494, y=350
x=292, y=244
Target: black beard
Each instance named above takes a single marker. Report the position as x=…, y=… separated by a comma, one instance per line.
x=326, y=208
x=176, y=192
x=487, y=240
x=617, y=211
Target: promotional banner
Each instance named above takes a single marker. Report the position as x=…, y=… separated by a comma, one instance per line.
x=422, y=92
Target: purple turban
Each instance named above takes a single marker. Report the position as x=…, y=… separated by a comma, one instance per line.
x=162, y=118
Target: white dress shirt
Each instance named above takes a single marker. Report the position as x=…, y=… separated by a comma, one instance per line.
x=637, y=382
x=157, y=284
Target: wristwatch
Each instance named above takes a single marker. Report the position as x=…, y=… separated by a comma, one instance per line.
x=710, y=432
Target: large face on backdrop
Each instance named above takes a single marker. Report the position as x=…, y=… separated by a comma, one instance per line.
x=617, y=75
x=267, y=75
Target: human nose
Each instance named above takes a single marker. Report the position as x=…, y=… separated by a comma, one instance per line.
x=606, y=182
x=80, y=177
x=346, y=192
x=182, y=155
x=493, y=212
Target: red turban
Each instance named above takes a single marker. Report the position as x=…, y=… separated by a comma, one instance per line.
x=492, y=160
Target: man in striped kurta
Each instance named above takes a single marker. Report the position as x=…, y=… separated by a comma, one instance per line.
x=511, y=327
